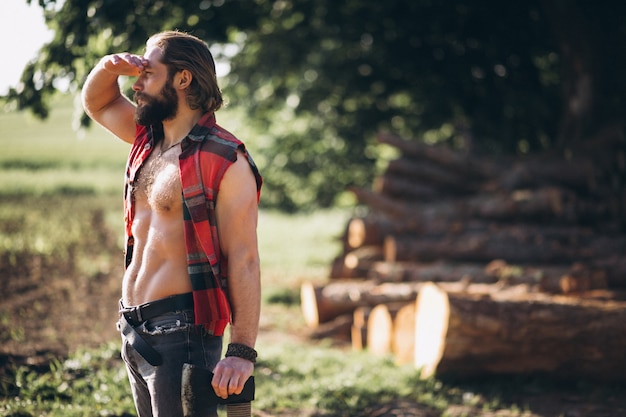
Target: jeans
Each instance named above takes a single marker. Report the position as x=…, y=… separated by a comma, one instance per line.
x=157, y=389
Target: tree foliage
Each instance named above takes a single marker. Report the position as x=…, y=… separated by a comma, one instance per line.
x=320, y=77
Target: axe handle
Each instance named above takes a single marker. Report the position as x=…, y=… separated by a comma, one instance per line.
x=239, y=410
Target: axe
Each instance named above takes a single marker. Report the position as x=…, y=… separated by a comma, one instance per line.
x=197, y=394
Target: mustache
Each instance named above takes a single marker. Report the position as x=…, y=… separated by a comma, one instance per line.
x=141, y=96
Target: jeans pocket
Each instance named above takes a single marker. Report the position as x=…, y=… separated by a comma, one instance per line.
x=167, y=323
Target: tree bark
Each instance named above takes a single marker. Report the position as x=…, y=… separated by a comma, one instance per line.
x=467, y=335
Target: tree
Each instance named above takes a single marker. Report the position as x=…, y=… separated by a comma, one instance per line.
x=321, y=77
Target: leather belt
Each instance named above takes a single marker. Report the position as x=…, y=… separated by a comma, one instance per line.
x=143, y=312
x=132, y=317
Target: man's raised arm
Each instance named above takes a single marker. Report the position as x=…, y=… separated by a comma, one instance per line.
x=102, y=99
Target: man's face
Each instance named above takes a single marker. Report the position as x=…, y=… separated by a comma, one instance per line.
x=155, y=96
x=153, y=110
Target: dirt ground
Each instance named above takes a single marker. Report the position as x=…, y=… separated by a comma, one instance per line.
x=49, y=318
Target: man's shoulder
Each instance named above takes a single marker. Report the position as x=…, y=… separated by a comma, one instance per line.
x=220, y=141
x=217, y=132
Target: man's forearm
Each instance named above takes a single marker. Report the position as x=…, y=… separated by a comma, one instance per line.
x=245, y=297
x=101, y=89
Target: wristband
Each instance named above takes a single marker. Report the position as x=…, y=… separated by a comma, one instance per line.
x=241, y=351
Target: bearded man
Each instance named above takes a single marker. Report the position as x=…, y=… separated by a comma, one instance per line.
x=191, y=207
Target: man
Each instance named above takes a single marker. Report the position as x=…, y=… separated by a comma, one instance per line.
x=191, y=204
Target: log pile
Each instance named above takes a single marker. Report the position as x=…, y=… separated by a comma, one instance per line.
x=465, y=266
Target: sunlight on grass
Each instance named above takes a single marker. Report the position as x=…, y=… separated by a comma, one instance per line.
x=302, y=244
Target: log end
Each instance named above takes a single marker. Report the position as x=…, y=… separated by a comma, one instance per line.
x=309, y=304
x=379, y=330
x=404, y=334
x=356, y=233
x=432, y=311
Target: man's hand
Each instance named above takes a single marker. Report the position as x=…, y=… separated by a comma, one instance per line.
x=230, y=374
x=125, y=64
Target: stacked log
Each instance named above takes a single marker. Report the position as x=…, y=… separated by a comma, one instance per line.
x=520, y=252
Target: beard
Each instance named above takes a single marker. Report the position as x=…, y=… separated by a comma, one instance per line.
x=155, y=110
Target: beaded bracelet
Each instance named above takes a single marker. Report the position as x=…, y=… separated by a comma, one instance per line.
x=241, y=351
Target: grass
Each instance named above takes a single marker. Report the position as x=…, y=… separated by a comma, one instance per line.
x=48, y=158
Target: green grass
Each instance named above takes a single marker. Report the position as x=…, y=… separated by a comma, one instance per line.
x=49, y=157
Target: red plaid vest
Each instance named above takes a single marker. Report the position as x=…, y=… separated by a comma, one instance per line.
x=207, y=152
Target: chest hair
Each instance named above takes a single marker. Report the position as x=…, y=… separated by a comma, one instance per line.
x=158, y=182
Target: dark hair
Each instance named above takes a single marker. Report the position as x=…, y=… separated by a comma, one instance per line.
x=184, y=51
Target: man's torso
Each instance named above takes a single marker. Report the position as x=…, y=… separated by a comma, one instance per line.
x=159, y=262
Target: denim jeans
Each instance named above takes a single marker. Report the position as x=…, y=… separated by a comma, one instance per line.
x=157, y=389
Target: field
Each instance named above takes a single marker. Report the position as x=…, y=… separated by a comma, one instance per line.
x=60, y=268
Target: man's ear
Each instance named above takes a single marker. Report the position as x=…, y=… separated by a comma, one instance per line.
x=183, y=79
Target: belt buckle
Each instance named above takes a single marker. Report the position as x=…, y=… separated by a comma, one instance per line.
x=133, y=315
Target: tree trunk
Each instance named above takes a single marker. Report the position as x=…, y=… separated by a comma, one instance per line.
x=579, y=52
x=464, y=335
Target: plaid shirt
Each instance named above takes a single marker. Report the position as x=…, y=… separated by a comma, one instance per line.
x=207, y=152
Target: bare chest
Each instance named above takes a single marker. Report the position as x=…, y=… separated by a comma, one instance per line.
x=158, y=182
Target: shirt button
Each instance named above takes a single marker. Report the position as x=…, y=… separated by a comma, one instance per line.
x=147, y=146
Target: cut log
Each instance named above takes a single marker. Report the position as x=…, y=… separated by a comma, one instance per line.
x=558, y=279
x=369, y=230
x=471, y=167
x=393, y=208
x=428, y=173
x=430, y=271
x=322, y=303
x=338, y=268
x=359, y=327
x=543, y=205
x=541, y=171
x=468, y=335
x=380, y=328
x=358, y=338
x=398, y=217
x=338, y=329
x=403, y=344
x=518, y=246
x=406, y=189
x=359, y=261
x=614, y=266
